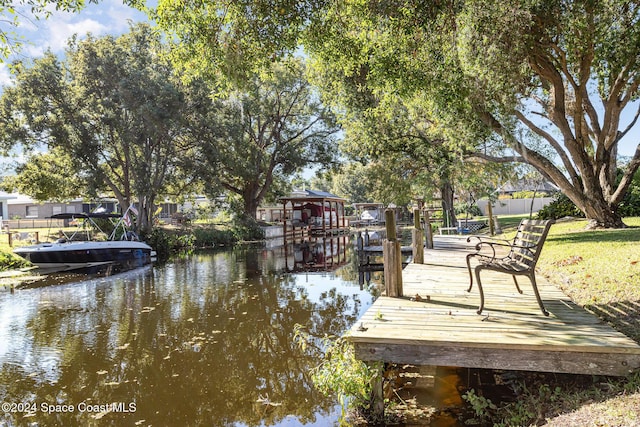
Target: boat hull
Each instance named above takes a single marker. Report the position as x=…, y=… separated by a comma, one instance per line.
x=85, y=255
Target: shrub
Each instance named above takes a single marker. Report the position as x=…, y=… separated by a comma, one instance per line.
x=9, y=261
x=247, y=229
x=630, y=205
x=166, y=243
x=560, y=207
x=527, y=194
x=208, y=237
x=467, y=208
x=342, y=374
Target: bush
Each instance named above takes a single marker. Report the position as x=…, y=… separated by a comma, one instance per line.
x=560, y=207
x=160, y=242
x=247, y=229
x=630, y=205
x=467, y=208
x=342, y=374
x=9, y=261
x=209, y=237
x=167, y=242
x=526, y=194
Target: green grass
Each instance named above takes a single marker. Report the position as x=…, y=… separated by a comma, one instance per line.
x=510, y=221
x=596, y=266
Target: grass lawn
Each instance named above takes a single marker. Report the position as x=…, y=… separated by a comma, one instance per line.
x=598, y=269
x=595, y=267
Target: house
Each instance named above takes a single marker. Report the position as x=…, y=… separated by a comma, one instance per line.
x=20, y=206
x=4, y=204
x=509, y=188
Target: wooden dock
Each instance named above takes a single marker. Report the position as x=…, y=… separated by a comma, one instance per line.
x=435, y=323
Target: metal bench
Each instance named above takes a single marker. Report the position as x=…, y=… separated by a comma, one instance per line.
x=521, y=259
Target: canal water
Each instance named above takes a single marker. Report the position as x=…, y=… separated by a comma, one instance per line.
x=206, y=340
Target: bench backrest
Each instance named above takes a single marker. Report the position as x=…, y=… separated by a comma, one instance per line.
x=528, y=242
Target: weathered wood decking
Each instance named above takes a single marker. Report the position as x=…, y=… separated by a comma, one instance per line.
x=436, y=324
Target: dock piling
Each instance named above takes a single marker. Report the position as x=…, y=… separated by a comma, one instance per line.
x=428, y=230
x=392, y=257
x=417, y=238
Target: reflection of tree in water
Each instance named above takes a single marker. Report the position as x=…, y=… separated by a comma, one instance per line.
x=206, y=341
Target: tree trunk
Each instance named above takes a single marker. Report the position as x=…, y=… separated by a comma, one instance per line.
x=448, y=210
x=144, y=222
x=600, y=215
x=251, y=207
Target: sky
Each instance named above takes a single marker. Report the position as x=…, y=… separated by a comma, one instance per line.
x=107, y=17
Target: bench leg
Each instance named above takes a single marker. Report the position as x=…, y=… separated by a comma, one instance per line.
x=470, y=273
x=535, y=291
x=516, y=282
x=481, y=307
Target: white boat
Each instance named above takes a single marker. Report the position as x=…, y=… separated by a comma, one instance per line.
x=82, y=250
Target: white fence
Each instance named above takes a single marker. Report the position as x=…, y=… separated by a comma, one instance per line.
x=515, y=206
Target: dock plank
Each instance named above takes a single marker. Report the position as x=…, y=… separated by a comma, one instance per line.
x=435, y=323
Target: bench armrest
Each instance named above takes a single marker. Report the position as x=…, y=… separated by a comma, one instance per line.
x=487, y=240
x=493, y=243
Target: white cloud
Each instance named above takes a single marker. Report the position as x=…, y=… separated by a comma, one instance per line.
x=38, y=35
x=5, y=75
x=60, y=31
x=105, y=17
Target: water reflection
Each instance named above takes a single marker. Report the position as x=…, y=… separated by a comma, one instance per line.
x=316, y=253
x=202, y=341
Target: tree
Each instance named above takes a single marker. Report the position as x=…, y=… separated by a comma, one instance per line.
x=485, y=65
x=48, y=176
x=351, y=182
x=112, y=107
x=550, y=79
x=261, y=134
x=573, y=70
x=407, y=156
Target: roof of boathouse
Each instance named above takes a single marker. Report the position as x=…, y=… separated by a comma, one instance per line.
x=299, y=195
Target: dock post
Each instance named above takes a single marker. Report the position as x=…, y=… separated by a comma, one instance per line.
x=492, y=230
x=392, y=257
x=360, y=248
x=428, y=230
x=417, y=238
x=377, y=391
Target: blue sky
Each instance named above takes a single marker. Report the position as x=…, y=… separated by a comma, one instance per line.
x=107, y=17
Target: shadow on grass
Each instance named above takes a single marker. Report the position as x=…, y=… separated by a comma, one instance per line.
x=631, y=234
x=622, y=315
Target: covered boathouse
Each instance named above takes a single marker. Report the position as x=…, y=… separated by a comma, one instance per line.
x=315, y=213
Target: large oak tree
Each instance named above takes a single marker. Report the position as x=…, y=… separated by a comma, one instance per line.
x=111, y=106
x=256, y=136
x=551, y=79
